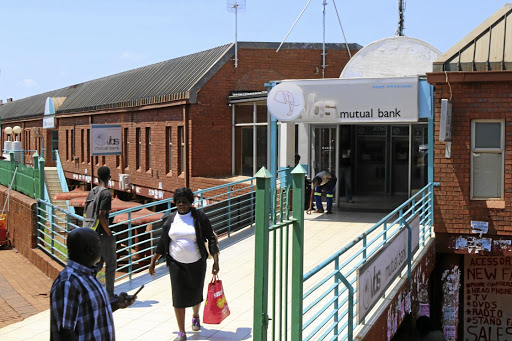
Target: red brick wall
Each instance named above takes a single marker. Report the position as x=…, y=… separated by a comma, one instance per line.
x=22, y=231
x=208, y=144
x=454, y=210
x=210, y=122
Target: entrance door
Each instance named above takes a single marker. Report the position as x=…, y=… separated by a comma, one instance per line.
x=370, y=158
x=324, y=150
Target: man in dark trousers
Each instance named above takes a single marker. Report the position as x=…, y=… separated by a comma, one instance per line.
x=323, y=182
x=79, y=304
x=107, y=238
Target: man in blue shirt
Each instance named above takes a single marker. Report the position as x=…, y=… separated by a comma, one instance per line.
x=79, y=305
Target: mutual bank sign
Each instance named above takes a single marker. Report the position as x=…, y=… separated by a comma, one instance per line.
x=355, y=100
x=377, y=273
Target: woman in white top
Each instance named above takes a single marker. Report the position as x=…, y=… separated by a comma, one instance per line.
x=182, y=242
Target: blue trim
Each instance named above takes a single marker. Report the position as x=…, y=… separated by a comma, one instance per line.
x=425, y=96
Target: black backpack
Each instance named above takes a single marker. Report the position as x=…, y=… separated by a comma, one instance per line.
x=91, y=208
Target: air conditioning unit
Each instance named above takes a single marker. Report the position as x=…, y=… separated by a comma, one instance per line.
x=124, y=182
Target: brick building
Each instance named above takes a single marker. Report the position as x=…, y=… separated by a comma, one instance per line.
x=473, y=202
x=178, y=128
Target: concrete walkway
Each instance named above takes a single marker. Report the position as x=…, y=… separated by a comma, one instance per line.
x=152, y=316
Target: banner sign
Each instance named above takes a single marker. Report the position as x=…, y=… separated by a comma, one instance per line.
x=354, y=100
x=49, y=114
x=106, y=139
x=378, y=272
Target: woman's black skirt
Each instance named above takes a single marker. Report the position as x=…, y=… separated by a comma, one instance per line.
x=187, y=282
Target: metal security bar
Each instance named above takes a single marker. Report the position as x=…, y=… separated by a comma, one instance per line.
x=277, y=234
x=330, y=289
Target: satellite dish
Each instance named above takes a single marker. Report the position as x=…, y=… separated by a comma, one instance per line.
x=236, y=6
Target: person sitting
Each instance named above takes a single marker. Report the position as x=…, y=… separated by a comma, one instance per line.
x=323, y=182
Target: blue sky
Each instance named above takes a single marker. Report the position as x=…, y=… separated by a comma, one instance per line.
x=51, y=44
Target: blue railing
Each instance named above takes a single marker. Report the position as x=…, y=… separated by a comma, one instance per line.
x=230, y=207
x=330, y=289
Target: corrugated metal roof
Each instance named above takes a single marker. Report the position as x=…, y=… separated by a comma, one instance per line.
x=175, y=79
x=488, y=47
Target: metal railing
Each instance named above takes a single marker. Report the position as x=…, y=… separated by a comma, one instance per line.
x=230, y=207
x=278, y=255
x=28, y=178
x=330, y=289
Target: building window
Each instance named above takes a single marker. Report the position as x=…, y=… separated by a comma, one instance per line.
x=168, y=139
x=72, y=144
x=82, y=140
x=88, y=147
x=487, y=159
x=67, y=144
x=126, y=148
x=138, y=150
x=181, y=154
x=148, y=148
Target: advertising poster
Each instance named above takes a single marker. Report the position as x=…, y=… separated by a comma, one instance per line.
x=487, y=298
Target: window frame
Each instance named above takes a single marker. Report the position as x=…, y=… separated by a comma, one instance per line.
x=500, y=150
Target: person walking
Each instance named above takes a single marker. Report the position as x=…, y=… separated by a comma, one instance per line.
x=346, y=173
x=107, y=238
x=323, y=182
x=79, y=304
x=182, y=243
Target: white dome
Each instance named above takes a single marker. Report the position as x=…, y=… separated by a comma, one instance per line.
x=392, y=57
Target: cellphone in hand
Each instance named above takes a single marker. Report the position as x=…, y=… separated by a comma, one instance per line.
x=142, y=287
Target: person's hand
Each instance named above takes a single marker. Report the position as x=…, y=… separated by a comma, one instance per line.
x=151, y=269
x=124, y=300
x=309, y=211
x=215, y=268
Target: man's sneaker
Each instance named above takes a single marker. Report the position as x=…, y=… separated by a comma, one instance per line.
x=181, y=337
x=196, y=324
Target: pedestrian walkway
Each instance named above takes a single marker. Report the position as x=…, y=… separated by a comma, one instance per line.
x=152, y=316
x=24, y=289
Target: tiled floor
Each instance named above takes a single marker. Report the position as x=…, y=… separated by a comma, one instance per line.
x=152, y=316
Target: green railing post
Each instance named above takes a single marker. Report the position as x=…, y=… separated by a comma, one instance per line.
x=260, y=321
x=298, y=174
x=40, y=190
x=12, y=167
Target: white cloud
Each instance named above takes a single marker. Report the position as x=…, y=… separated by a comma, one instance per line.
x=28, y=83
x=132, y=56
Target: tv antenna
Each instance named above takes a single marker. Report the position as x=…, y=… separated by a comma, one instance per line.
x=235, y=6
x=324, y=4
x=401, y=19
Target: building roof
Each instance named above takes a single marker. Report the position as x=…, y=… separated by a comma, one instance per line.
x=487, y=48
x=175, y=79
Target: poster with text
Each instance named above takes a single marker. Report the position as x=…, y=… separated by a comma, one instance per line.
x=487, y=298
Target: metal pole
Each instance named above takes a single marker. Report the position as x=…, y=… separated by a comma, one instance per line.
x=236, y=35
x=260, y=318
x=287, y=34
x=324, y=3
x=298, y=174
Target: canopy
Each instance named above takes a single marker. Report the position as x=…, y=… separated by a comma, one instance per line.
x=117, y=204
x=76, y=193
x=141, y=217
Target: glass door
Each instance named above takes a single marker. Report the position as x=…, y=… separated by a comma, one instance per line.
x=324, y=150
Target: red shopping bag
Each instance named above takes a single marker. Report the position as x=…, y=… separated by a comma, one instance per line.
x=216, y=307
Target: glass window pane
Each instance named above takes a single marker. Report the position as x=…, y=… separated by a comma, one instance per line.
x=247, y=151
x=261, y=147
x=487, y=135
x=486, y=175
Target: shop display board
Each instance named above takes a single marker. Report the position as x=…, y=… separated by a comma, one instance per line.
x=487, y=298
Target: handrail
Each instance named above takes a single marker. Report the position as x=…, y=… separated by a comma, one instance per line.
x=337, y=311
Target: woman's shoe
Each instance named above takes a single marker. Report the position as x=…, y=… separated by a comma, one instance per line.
x=181, y=337
x=196, y=324
x=319, y=211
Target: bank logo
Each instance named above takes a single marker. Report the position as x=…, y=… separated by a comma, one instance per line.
x=285, y=102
